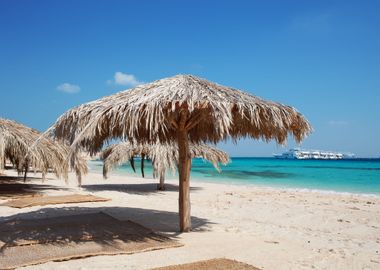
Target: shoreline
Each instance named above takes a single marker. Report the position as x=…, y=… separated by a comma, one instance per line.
x=348, y=177
x=277, y=188
x=250, y=185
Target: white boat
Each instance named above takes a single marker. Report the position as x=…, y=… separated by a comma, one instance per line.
x=297, y=153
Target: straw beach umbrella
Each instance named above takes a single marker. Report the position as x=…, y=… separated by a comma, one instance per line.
x=183, y=109
x=15, y=142
x=164, y=156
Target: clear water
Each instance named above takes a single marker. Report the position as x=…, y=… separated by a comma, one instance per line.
x=354, y=176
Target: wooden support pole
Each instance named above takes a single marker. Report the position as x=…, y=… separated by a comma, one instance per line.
x=26, y=171
x=142, y=165
x=161, y=186
x=132, y=162
x=184, y=166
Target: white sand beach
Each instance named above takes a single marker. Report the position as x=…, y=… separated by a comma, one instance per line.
x=268, y=228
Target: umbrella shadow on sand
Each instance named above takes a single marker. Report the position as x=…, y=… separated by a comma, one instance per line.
x=13, y=179
x=74, y=232
x=157, y=220
x=139, y=189
x=14, y=187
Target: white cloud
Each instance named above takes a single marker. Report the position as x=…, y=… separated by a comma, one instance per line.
x=68, y=88
x=125, y=79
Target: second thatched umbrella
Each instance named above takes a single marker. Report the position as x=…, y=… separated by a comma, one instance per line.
x=15, y=142
x=179, y=109
x=164, y=156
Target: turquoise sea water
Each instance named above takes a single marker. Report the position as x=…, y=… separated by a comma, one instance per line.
x=354, y=176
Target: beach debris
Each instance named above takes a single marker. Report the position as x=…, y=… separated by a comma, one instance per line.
x=342, y=220
x=272, y=242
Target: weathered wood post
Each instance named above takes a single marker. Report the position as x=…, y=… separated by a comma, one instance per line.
x=184, y=173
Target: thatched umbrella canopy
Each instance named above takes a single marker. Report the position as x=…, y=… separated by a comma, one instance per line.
x=164, y=156
x=184, y=109
x=15, y=142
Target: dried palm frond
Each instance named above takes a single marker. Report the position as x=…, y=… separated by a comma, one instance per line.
x=15, y=142
x=150, y=113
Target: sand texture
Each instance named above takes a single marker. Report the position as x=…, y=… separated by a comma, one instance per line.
x=268, y=228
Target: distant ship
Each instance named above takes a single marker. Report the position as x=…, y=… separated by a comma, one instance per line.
x=298, y=153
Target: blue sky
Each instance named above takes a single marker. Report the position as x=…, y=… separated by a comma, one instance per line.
x=322, y=57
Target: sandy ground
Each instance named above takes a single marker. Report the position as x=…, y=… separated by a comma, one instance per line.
x=268, y=228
